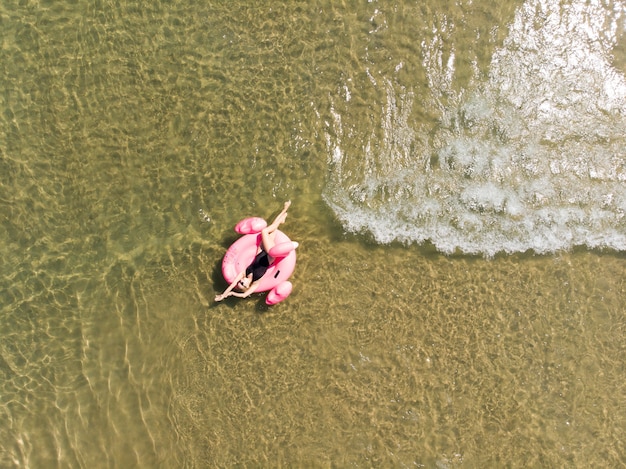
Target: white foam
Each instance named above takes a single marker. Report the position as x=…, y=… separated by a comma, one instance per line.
x=535, y=160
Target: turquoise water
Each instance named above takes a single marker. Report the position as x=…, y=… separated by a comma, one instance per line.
x=458, y=299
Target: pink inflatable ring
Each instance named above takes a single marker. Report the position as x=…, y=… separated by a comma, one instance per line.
x=241, y=253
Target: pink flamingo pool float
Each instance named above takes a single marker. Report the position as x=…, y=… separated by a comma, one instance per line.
x=241, y=253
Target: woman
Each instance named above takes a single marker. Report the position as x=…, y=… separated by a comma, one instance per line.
x=246, y=282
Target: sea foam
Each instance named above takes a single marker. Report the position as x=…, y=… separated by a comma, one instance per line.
x=532, y=158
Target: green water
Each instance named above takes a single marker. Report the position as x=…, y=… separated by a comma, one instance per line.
x=121, y=121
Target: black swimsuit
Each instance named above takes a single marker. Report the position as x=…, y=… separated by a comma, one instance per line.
x=259, y=266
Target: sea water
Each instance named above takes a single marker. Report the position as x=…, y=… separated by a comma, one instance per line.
x=456, y=172
x=528, y=154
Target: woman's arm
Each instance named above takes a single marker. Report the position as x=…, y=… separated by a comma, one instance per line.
x=229, y=291
x=248, y=292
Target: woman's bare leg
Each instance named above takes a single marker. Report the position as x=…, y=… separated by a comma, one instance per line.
x=269, y=232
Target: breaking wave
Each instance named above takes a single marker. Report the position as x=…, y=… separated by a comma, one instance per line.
x=532, y=157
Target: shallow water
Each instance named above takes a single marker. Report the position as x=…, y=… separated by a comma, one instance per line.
x=124, y=125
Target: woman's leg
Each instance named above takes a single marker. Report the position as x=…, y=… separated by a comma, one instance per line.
x=269, y=232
